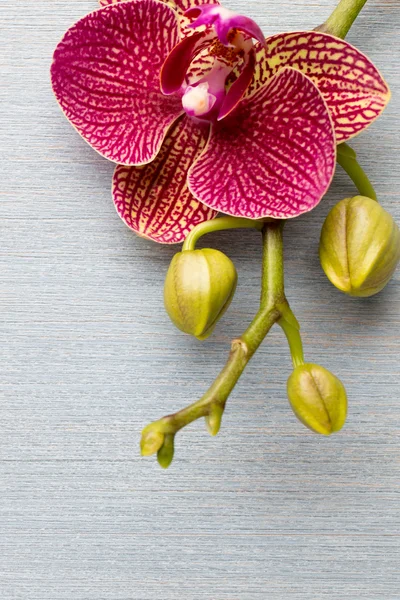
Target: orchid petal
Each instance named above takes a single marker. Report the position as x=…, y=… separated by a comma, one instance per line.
x=105, y=76
x=107, y=2
x=178, y=61
x=154, y=200
x=184, y=5
x=224, y=21
x=179, y=5
x=273, y=157
x=351, y=85
x=238, y=88
x=200, y=66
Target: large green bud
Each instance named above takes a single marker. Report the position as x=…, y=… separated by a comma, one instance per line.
x=199, y=287
x=318, y=398
x=359, y=246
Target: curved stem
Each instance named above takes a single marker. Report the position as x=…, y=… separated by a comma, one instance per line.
x=219, y=224
x=347, y=159
x=291, y=329
x=342, y=18
x=212, y=404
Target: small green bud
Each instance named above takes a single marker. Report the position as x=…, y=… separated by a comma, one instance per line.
x=214, y=419
x=165, y=454
x=359, y=247
x=152, y=440
x=199, y=287
x=318, y=398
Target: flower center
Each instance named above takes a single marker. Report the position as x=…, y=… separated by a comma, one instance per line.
x=197, y=101
x=212, y=69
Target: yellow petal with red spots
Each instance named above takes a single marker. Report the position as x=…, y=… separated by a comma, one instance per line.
x=351, y=85
x=154, y=200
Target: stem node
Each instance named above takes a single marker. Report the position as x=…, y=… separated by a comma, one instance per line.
x=239, y=344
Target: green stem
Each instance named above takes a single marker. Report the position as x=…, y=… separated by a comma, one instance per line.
x=212, y=404
x=219, y=224
x=291, y=329
x=244, y=348
x=347, y=159
x=342, y=18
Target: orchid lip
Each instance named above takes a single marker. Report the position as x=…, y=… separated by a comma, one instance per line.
x=204, y=99
x=224, y=21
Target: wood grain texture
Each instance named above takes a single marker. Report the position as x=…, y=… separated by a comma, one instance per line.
x=265, y=510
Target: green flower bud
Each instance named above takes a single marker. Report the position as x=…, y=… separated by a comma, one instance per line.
x=199, y=287
x=318, y=398
x=152, y=439
x=359, y=246
x=214, y=419
x=165, y=454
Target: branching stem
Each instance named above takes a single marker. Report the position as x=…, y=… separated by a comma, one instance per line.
x=274, y=308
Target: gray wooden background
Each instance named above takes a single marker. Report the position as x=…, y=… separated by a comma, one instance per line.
x=266, y=510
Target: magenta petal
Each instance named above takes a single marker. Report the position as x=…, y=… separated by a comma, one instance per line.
x=205, y=11
x=224, y=21
x=351, y=85
x=105, y=76
x=177, y=64
x=273, y=157
x=107, y=2
x=154, y=200
x=245, y=25
x=184, y=5
x=179, y=5
x=238, y=88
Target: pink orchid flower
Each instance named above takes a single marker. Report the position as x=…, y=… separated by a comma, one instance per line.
x=203, y=115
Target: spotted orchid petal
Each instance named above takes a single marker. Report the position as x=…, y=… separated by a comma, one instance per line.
x=154, y=200
x=179, y=5
x=239, y=87
x=177, y=63
x=351, y=85
x=184, y=5
x=224, y=21
x=105, y=76
x=273, y=157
